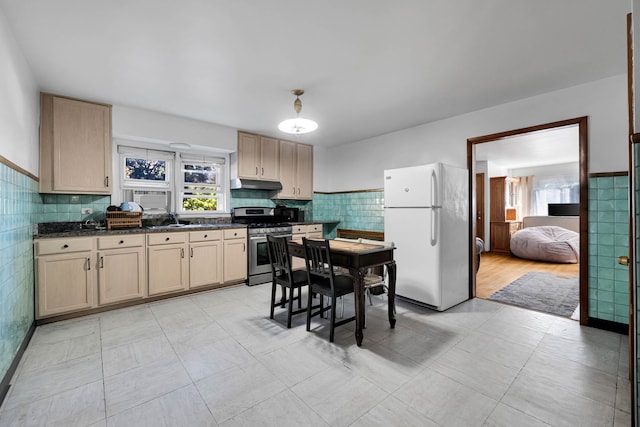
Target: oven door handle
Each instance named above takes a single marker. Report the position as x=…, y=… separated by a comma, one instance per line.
x=265, y=237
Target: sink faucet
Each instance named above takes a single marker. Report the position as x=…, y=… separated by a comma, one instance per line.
x=174, y=216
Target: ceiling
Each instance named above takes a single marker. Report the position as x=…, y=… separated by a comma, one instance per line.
x=533, y=148
x=368, y=67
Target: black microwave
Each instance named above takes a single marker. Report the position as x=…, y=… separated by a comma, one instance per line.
x=286, y=214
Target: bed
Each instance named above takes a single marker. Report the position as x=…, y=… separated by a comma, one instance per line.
x=550, y=239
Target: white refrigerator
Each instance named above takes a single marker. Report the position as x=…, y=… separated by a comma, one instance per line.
x=426, y=215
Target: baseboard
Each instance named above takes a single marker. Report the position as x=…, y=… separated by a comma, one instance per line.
x=608, y=325
x=6, y=381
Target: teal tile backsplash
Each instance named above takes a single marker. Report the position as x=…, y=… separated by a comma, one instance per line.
x=357, y=210
x=608, y=238
x=19, y=207
x=68, y=207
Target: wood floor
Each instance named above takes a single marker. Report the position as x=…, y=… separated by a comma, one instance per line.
x=498, y=270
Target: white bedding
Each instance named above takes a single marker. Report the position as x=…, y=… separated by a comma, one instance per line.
x=547, y=243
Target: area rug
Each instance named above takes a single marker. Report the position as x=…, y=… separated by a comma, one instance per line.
x=544, y=292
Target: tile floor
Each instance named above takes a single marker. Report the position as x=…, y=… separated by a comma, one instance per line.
x=216, y=358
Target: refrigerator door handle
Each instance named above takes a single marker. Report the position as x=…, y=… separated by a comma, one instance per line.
x=434, y=226
x=435, y=196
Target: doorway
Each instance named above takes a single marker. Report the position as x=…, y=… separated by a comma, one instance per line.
x=582, y=129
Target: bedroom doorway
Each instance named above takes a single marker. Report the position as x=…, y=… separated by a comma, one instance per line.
x=524, y=141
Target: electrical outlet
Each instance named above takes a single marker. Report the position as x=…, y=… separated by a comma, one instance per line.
x=86, y=211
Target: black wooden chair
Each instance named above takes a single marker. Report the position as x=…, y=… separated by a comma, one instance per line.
x=286, y=277
x=324, y=281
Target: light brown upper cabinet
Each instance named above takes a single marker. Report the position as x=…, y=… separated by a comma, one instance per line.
x=296, y=171
x=75, y=146
x=258, y=157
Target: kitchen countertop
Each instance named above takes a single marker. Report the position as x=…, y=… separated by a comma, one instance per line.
x=81, y=232
x=136, y=230
x=320, y=221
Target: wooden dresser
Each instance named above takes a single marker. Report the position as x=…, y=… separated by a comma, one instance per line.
x=500, y=230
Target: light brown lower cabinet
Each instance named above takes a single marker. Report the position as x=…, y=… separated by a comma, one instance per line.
x=310, y=231
x=235, y=255
x=81, y=273
x=168, y=265
x=65, y=283
x=121, y=268
x=65, y=276
x=205, y=258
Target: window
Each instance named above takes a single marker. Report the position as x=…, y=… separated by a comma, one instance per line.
x=146, y=178
x=513, y=191
x=553, y=189
x=167, y=181
x=202, y=187
x=145, y=168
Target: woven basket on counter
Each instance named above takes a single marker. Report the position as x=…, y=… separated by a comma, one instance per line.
x=123, y=219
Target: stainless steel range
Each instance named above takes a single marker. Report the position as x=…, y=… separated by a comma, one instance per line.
x=260, y=222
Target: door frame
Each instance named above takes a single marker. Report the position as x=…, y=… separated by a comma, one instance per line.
x=583, y=124
x=633, y=139
x=480, y=177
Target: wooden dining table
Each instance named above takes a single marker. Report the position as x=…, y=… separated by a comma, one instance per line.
x=358, y=258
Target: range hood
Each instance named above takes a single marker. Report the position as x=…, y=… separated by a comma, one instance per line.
x=246, y=183
x=255, y=184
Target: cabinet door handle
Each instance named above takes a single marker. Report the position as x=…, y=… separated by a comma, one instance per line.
x=106, y=181
x=65, y=246
x=191, y=252
x=206, y=235
x=121, y=242
x=167, y=239
x=181, y=252
x=88, y=264
x=244, y=247
x=101, y=262
x=262, y=171
x=256, y=171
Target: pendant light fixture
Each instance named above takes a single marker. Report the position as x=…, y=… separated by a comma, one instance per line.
x=297, y=125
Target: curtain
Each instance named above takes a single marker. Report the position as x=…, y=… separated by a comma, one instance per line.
x=525, y=190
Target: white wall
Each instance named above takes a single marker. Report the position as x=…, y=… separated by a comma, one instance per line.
x=495, y=170
x=152, y=126
x=360, y=165
x=19, y=104
x=321, y=174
